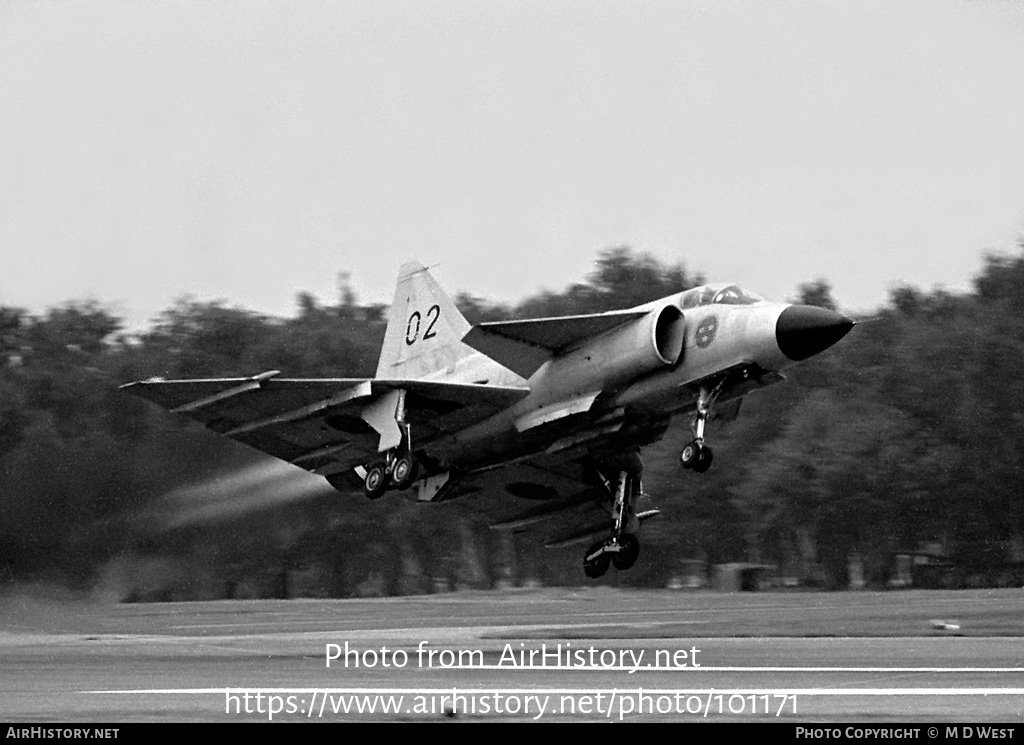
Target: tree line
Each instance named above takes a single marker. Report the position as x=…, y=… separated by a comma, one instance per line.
x=905, y=439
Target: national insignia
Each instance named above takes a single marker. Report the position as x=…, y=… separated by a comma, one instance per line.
x=706, y=331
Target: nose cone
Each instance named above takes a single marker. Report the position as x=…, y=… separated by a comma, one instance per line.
x=804, y=330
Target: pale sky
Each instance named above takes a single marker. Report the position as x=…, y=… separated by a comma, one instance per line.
x=247, y=151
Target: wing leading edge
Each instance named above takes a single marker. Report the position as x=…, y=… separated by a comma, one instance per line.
x=523, y=346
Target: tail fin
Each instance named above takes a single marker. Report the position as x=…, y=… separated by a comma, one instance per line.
x=425, y=329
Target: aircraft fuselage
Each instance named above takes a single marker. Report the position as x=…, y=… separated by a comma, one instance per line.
x=583, y=391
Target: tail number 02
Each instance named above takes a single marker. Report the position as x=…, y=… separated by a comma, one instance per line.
x=412, y=328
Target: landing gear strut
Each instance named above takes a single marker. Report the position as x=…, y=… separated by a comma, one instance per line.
x=623, y=547
x=696, y=455
x=398, y=470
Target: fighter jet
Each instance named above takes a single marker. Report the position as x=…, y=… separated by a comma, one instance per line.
x=535, y=424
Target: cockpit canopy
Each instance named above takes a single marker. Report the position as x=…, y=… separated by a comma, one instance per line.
x=723, y=294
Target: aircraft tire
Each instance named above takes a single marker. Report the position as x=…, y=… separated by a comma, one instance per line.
x=705, y=460
x=689, y=456
x=405, y=470
x=626, y=558
x=596, y=567
x=376, y=482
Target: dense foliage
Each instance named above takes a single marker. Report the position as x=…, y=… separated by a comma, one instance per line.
x=906, y=438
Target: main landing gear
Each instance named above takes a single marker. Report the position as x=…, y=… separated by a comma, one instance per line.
x=398, y=470
x=696, y=455
x=622, y=548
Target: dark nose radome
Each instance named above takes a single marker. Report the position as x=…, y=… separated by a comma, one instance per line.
x=804, y=330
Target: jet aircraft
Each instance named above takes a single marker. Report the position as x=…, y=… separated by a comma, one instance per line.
x=534, y=423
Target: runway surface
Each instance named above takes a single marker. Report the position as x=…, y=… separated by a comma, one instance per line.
x=597, y=654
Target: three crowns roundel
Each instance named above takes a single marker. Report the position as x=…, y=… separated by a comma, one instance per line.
x=706, y=329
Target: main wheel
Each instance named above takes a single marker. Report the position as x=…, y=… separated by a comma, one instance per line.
x=597, y=566
x=689, y=457
x=403, y=473
x=705, y=459
x=630, y=550
x=376, y=482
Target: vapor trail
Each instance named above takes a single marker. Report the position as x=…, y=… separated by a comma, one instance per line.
x=261, y=485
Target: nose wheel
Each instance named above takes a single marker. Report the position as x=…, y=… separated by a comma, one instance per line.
x=696, y=456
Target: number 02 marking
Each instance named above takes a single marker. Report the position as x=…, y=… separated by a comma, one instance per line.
x=412, y=327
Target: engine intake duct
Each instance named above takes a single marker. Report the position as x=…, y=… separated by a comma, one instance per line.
x=639, y=346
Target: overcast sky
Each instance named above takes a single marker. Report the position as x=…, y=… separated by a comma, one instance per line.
x=252, y=150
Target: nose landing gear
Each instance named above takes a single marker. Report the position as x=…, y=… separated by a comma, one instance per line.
x=696, y=455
